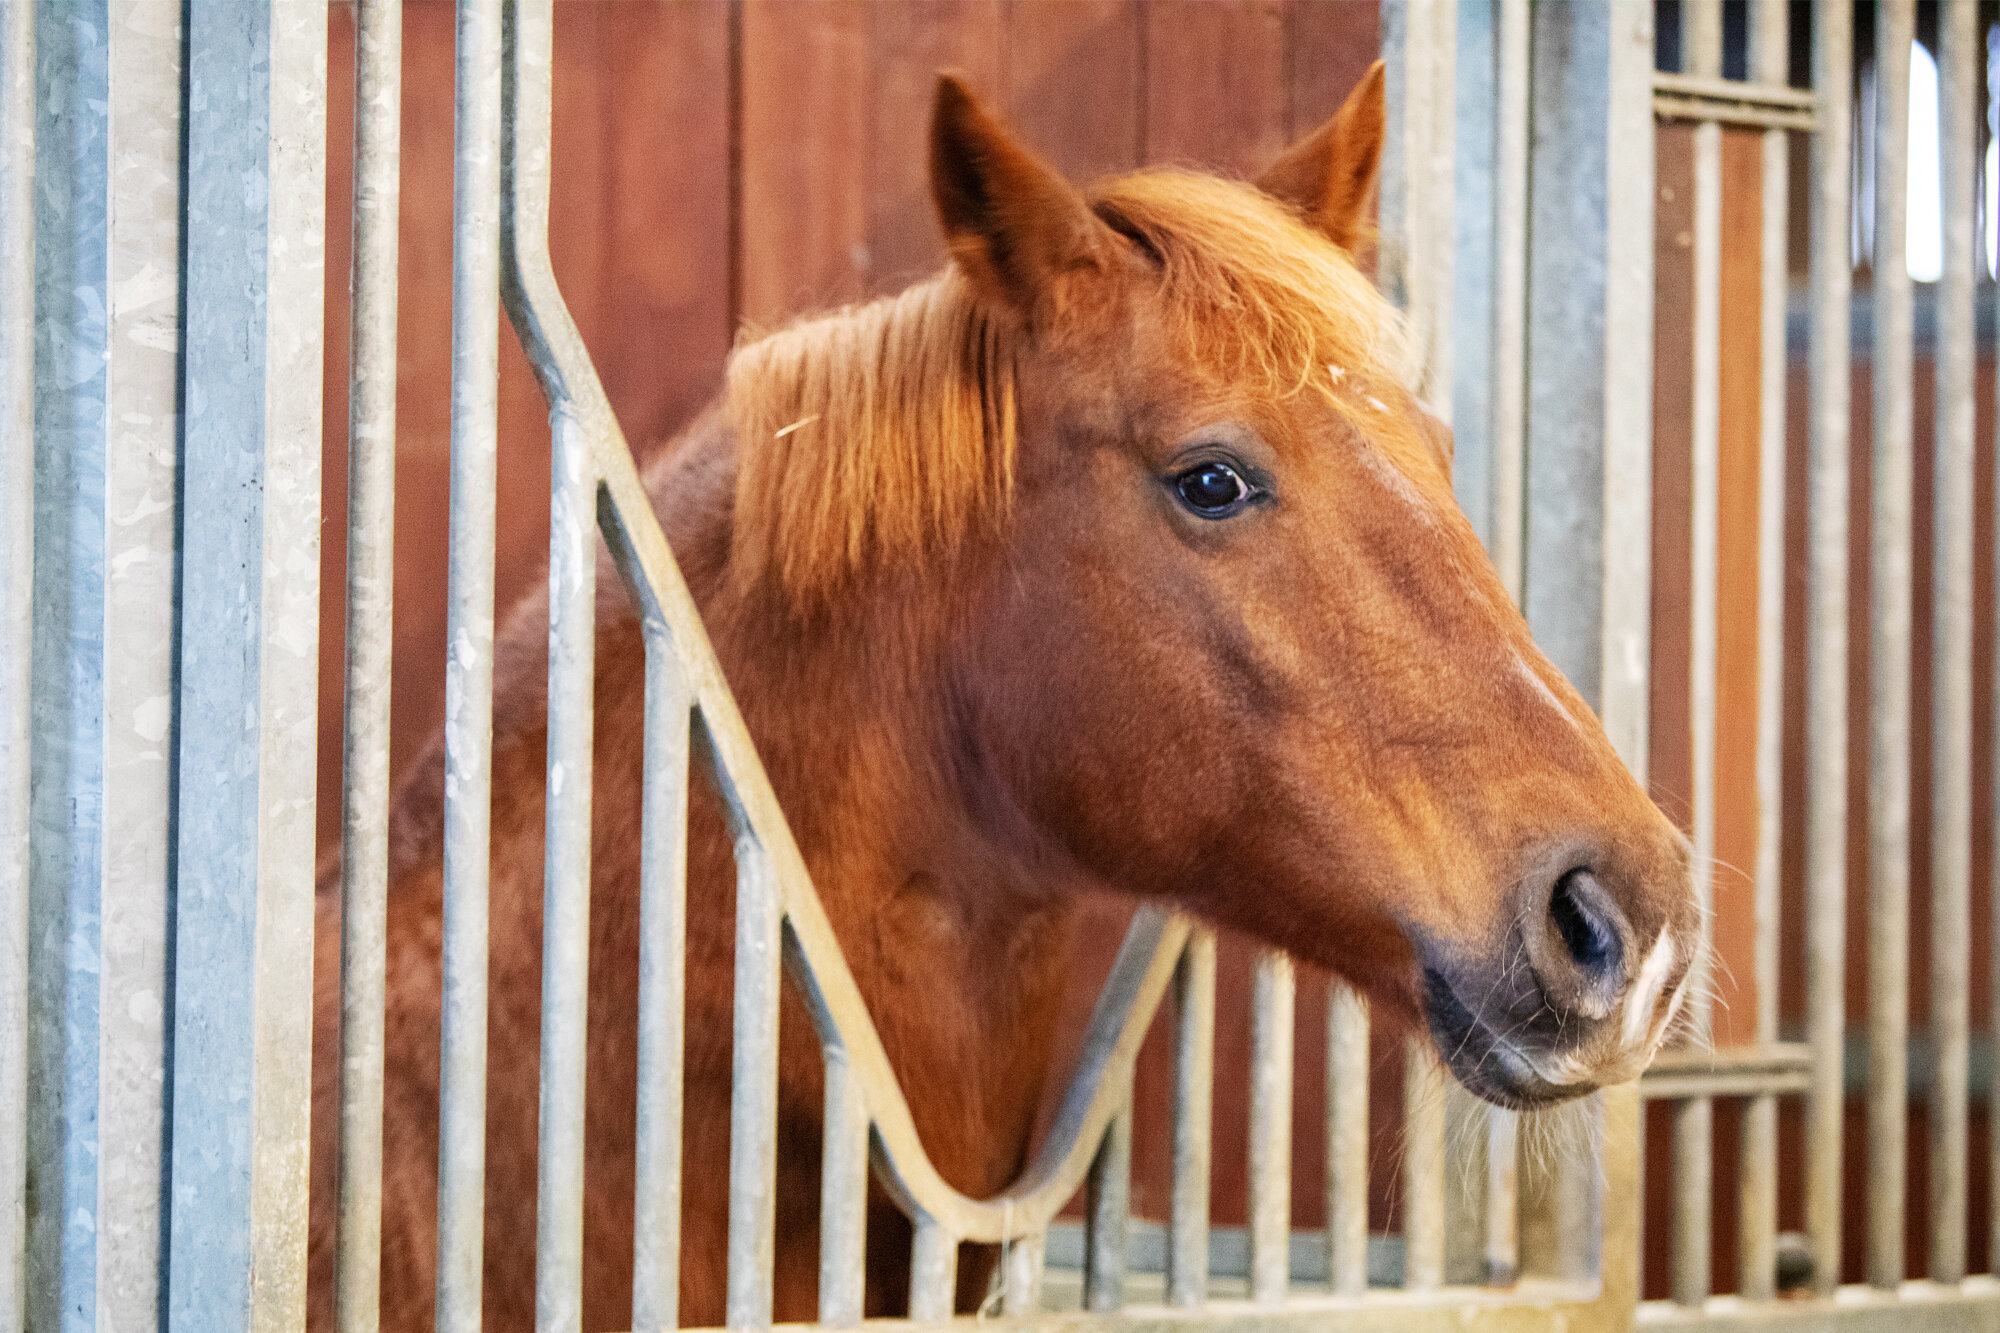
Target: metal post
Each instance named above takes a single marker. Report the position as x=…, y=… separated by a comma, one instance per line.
x=17, y=537
x=475, y=361
x=1346, y=1139
x=1826, y=670
x=843, y=1196
x=933, y=1272
x=1758, y=1197
x=1423, y=1167
x=1271, y=999
x=1021, y=1261
x=243, y=952
x=1107, y=1211
x=371, y=571
x=1889, y=656
x=1694, y=1118
x=1951, y=642
x=1194, y=1079
x=753, y=1101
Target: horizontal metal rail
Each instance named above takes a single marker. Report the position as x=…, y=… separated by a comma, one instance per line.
x=1703, y=97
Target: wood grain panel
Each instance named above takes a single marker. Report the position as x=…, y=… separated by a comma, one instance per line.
x=1073, y=81
x=1215, y=83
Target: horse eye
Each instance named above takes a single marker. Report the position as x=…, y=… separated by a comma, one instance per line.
x=1211, y=489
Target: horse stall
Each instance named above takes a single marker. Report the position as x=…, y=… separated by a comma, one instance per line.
x=1703, y=290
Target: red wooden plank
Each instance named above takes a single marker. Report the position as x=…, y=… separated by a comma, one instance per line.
x=1215, y=83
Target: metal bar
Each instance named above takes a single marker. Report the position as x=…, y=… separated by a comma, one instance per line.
x=1510, y=294
x=17, y=548
x=1423, y=1167
x=843, y=1196
x=1758, y=1194
x=662, y=987
x=1108, y=1210
x=249, y=580
x=566, y=868
x=1346, y=1138
x=371, y=570
x=1767, y=103
x=1694, y=1119
x=1503, y=1198
x=1021, y=1262
x=753, y=1099
x=1951, y=651
x=1271, y=999
x=1889, y=619
x=1194, y=1086
x=933, y=1272
x=468, y=680
x=1826, y=660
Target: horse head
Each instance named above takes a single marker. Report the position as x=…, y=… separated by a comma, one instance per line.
x=1240, y=647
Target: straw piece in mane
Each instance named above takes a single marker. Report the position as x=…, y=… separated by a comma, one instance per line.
x=884, y=433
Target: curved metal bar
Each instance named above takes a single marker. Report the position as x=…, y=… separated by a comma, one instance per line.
x=1152, y=947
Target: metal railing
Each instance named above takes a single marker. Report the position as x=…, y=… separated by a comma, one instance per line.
x=1498, y=303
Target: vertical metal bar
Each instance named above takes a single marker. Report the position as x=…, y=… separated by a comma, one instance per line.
x=1271, y=1000
x=1510, y=295
x=1503, y=1198
x=468, y=680
x=566, y=870
x=371, y=530
x=1826, y=660
x=1423, y=1167
x=662, y=990
x=1346, y=1139
x=17, y=547
x=1758, y=1207
x=1194, y=1083
x=753, y=1099
x=933, y=1272
x=243, y=882
x=843, y=1195
x=1021, y=1274
x=1109, y=1209
x=1694, y=1119
x=1951, y=653
x=1889, y=656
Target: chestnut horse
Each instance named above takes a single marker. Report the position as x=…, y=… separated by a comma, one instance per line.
x=1116, y=556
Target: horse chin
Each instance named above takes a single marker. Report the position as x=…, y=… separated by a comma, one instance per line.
x=1485, y=1062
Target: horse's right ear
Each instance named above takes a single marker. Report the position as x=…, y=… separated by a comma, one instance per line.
x=1013, y=224
x=1329, y=175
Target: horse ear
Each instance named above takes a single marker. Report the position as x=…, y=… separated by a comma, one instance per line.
x=1330, y=174
x=1012, y=222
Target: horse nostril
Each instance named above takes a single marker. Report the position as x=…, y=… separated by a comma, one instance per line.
x=1581, y=920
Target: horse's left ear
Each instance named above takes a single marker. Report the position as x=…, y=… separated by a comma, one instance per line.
x=1013, y=223
x=1330, y=174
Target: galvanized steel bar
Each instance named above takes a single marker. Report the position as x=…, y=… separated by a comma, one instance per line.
x=1346, y=1139
x=1503, y=1197
x=1194, y=1087
x=1021, y=1263
x=1889, y=618
x=1826, y=651
x=1423, y=1166
x=1271, y=1003
x=566, y=868
x=933, y=1272
x=753, y=1097
x=843, y=1195
x=468, y=680
x=656, y=1214
x=1107, y=1210
x=559, y=1160
x=17, y=535
x=1694, y=1119
x=1951, y=641
x=364, y=793
x=1758, y=1195
x=249, y=579
x=1510, y=293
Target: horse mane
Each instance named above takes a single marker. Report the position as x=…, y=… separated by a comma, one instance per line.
x=883, y=433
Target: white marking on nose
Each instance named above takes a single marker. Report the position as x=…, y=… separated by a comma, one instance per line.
x=1645, y=993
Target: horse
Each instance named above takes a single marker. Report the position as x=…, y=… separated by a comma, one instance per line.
x=1117, y=556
